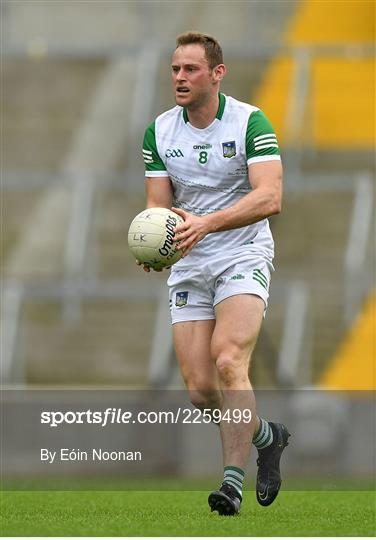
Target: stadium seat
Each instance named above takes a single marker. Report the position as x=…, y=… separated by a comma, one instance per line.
x=353, y=365
x=340, y=101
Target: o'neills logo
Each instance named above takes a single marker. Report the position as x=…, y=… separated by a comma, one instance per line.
x=201, y=146
x=171, y=223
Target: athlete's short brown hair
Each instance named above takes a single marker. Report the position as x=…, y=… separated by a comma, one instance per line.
x=213, y=50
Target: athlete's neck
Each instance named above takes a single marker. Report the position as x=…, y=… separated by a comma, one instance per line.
x=201, y=117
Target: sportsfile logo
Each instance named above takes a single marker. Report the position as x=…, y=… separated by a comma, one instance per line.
x=115, y=415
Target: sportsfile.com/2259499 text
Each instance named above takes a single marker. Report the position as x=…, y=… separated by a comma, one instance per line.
x=113, y=415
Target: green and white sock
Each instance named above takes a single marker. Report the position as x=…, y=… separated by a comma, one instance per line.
x=264, y=436
x=235, y=477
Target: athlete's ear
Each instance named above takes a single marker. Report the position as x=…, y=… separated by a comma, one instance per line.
x=219, y=72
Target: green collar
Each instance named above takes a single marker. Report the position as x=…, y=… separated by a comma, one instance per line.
x=221, y=108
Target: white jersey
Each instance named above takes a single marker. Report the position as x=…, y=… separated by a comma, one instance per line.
x=208, y=169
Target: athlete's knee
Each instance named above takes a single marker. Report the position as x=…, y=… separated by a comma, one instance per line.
x=198, y=399
x=232, y=369
x=205, y=398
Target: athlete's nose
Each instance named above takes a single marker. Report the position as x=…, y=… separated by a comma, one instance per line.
x=180, y=76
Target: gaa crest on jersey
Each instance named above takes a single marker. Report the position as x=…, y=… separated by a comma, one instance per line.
x=229, y=149
x=181, y=299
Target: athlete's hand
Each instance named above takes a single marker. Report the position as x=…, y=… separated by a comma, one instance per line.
x=147, y=268
x=194, y=229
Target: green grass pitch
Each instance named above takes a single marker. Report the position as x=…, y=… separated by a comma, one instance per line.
x=184, y=513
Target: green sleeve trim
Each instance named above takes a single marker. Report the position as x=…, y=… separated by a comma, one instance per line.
x=152, y=159
x=260, y=138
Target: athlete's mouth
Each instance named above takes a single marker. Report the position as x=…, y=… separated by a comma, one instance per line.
x=182, y=90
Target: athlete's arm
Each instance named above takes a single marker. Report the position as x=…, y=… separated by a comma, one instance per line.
x=157, y=182
x=158, y=192
x=263, y=201
x=158, y=195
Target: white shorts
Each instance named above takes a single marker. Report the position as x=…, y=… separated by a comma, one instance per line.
x=195, y=292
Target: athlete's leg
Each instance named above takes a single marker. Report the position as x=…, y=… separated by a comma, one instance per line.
x=192, y=341
x=237, y=327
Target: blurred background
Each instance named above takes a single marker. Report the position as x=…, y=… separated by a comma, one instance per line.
x=80, y=82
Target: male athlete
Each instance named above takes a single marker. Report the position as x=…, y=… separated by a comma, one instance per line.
x=215, y=161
